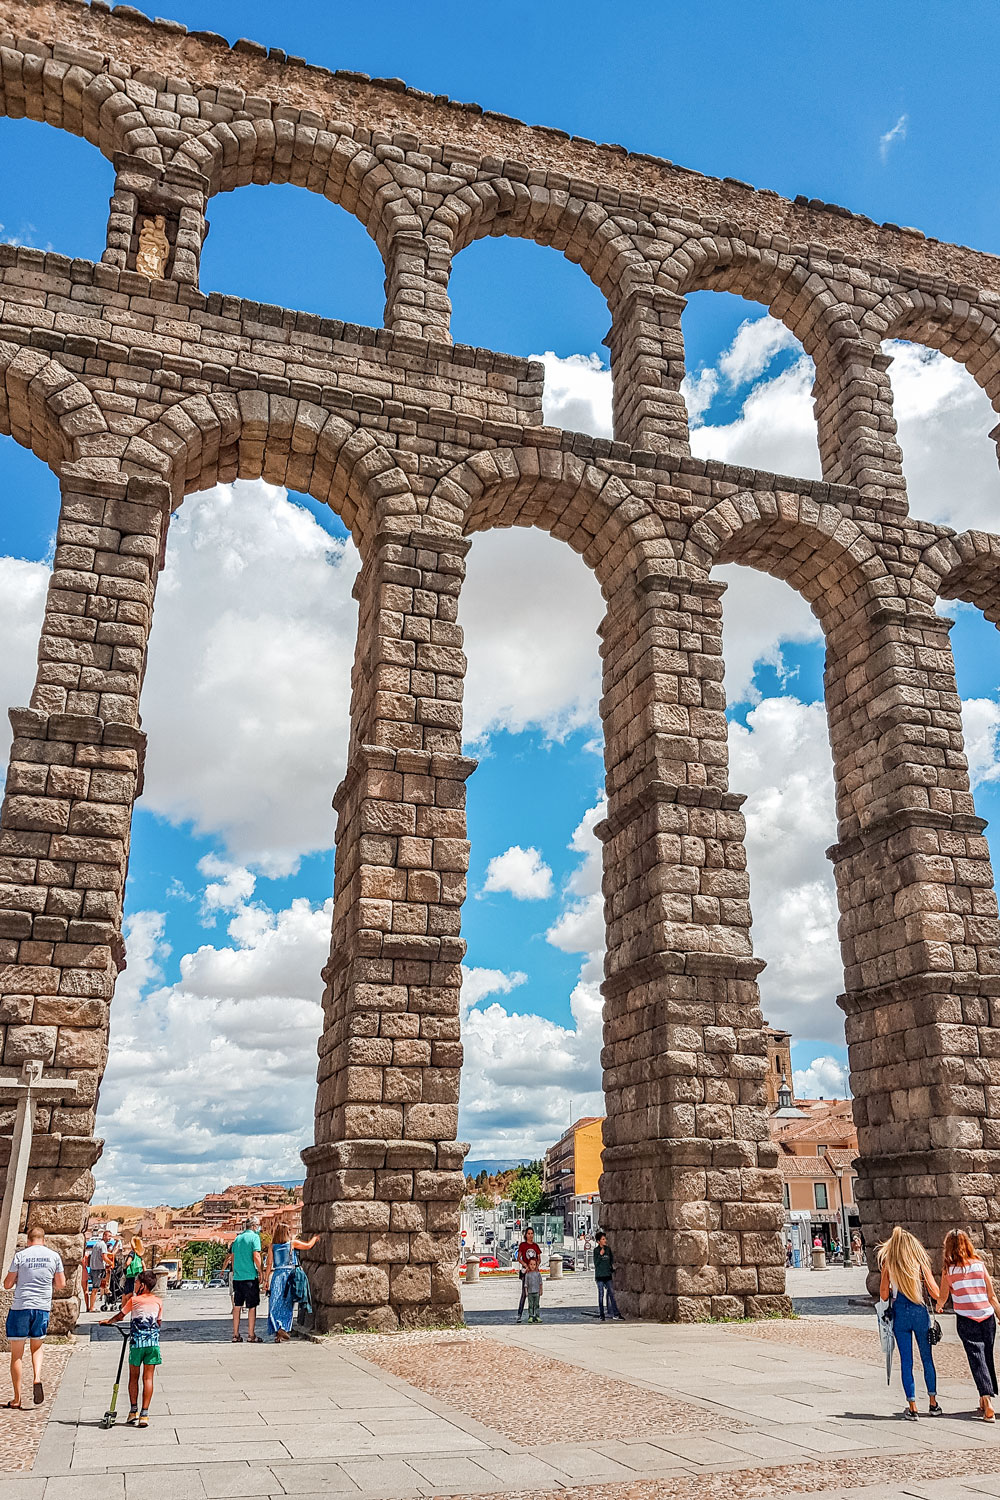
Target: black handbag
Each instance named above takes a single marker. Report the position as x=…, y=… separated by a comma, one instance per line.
x=934, y=1331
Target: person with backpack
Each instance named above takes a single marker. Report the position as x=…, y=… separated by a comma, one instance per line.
x=133, y=1266
x=280, y=1280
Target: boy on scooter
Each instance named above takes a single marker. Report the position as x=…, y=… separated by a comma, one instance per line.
x=146, y=1315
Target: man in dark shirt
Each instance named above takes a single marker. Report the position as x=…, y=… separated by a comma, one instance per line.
x=604, y=1269
x=529, y=1258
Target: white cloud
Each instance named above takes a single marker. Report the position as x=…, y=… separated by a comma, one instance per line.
x=246, y=697
x=234, y=886
x=981, y=729
x=760, y=615
x=579, y=928
x=776, y=430
x=22, y=607
x=825, y=1078
x=577, y=393
x=530, y=609
x=699, y=391
x=944, y=419
x=478, y=983
x=210, y=1079
x=755, y=345
x=782, y=761
x=521, y=872
x=896, y=133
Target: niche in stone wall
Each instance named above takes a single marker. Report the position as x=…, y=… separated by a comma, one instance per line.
x=533, y=919
x=286, y=246
x=54, y=190
x=748, y=387
x=526, y=299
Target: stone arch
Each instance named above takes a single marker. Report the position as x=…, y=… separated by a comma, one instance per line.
x=213, y=439
x=809, y=544
x=45, y=408
x=966, y=567
x=105, y=111
x=241, y=152
x=576, y=502
x=582, y=229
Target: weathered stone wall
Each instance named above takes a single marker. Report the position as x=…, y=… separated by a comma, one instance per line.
x=138, y=391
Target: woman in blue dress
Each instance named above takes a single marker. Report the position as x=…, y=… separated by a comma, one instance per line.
x=279, y=1274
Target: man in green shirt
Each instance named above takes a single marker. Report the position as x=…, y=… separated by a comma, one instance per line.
x=244, y=1256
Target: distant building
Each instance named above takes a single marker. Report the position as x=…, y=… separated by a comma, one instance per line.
x=573, y=1171
x=817, y=1144
x=779, y=1062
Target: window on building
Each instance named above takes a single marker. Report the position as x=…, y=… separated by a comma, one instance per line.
x=777, y=1064
x=786, y=1195
x=820, y=1195
x=820, y=1150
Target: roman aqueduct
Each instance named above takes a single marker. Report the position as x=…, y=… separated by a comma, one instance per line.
x=138, y=389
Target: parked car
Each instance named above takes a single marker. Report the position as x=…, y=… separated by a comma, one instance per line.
x=569, y=1263
x=488, y=1263
x=216, y=1281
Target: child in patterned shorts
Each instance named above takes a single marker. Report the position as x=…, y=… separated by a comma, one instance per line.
x=146, y=1314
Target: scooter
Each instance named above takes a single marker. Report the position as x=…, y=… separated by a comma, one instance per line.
x=110, y=1416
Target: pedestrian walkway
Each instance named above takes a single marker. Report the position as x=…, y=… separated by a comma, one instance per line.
x=591, y=1411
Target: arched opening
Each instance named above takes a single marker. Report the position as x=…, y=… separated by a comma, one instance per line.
x=521, y=298
x=943, y=421
x=54, y=190
x=531, y=1005
x=27, y=542
x=281, y=244
x=228, y=903
x=748, y=387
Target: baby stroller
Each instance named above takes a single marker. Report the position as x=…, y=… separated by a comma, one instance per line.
x=113, y=1291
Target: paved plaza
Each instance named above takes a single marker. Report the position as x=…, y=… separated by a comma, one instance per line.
x=619, y=1411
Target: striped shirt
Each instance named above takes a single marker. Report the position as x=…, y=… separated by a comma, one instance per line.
x=969, y=1297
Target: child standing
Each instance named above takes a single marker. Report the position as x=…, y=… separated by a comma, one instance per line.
x=533, y=1292
x=146, y=1314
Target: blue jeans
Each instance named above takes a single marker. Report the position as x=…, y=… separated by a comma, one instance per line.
x=909, y=1319
x=604, y=1286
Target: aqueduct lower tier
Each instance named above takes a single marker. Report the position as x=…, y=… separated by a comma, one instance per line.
x=137, y=389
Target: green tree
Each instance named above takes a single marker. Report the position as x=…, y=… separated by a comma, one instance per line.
x=483, y=1200
x=526, y=1193
x=213, y=1253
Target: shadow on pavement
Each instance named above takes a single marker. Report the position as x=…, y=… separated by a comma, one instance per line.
x=190, y=1330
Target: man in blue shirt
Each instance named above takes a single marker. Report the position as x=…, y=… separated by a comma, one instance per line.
x=244, y=1256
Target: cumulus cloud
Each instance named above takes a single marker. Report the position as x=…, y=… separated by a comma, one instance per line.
x=981, y=729
x=576, y=393
x=530, y=609
x=22, y=606
x=230, y=1047
x=756, y=343
x=760, y=616
x=781, y=760
x=233, y=885
x=478, y=983
x=247, y=692
x=825, y=1078
x=776, y=429
x=520, y=872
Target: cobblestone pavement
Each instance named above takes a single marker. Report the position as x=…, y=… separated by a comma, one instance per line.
x=21, y=1431
x=777, y=1415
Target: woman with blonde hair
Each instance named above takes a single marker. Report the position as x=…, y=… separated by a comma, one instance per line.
x=279, y=1280
x=906, y=1272
x=970, y=1285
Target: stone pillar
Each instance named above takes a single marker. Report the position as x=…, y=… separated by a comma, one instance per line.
x=919, y=933
x=384, y=1180
x=647, y=367
x=416, y=286
x=852, y=399
x=75, y=771
x=690, y=1193
x=144, y=190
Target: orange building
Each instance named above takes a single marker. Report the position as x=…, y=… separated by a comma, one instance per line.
x=817, y=1145
x=573, y=1169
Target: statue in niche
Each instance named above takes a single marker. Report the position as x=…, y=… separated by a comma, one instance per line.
x=154, y=248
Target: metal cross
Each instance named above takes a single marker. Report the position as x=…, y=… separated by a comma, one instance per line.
x=28, y=1089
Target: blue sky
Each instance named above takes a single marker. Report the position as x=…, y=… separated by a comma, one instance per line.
x=225, y=895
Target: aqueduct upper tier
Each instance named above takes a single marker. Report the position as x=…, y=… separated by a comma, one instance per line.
x=136, y=387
